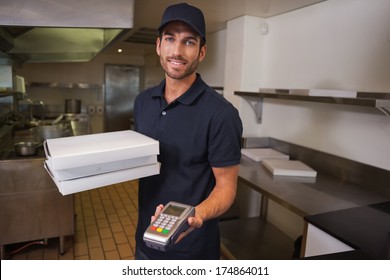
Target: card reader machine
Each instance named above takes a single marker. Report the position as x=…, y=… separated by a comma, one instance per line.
x=163, y=232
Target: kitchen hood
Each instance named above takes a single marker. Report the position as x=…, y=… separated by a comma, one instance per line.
x=34, y=31
x=45, y=44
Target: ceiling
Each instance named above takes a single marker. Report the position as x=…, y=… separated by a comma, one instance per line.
x=49, y=31
x=141, y=39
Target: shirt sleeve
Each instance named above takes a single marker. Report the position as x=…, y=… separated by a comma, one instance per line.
x=225, y=138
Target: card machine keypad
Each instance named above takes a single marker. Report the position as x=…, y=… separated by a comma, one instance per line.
x=164, y=223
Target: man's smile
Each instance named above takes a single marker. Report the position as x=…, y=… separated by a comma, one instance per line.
x=177, y=61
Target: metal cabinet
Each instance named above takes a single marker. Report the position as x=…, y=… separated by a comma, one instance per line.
x=31, y=207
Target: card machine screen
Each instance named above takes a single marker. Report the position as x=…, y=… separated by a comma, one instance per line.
x=173, y=210
x=163, y=232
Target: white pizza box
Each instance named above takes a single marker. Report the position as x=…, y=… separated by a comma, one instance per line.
x=99, y=168
x=84, y=150
x=259, y=154
x=101, y=180
x=289, y=168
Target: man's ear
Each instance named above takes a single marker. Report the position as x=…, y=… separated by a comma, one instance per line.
x=158, y=45
x=202, y=53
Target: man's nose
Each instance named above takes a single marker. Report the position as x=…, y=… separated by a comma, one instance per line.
x=177, y=48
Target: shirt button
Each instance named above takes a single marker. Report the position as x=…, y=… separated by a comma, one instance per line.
x=164, y=113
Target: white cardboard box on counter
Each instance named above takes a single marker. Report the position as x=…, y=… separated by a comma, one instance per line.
x=101, y=180
x=85, y=150
x=289, y=168
x=259, y=154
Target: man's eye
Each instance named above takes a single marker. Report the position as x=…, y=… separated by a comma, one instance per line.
x=169, y=39
x=190, y=43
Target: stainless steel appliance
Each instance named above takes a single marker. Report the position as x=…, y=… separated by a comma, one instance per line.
x=122, y=84
x=72, y=106
x=79, y=123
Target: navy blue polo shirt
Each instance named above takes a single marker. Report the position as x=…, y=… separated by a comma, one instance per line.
x=196, y=132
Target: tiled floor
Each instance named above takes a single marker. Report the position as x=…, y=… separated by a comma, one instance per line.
x=105, y=222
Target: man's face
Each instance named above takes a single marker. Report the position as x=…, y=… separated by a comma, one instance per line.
x=179, y=50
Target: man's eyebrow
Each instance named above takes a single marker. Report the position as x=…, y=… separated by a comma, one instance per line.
x=172, y=33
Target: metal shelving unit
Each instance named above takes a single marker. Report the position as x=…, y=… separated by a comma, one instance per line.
x=380, y=101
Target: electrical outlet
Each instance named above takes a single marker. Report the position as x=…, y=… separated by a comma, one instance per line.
x=100, y=109
x=91, y=110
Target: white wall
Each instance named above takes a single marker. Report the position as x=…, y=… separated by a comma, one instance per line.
x=212, y=69
x=336, y=45
x=243, y=56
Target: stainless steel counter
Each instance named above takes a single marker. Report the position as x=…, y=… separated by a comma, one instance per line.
x=340, y=183
x=307, y=196
x=31, y=207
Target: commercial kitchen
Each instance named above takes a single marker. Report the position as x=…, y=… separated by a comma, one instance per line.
x=310, y=80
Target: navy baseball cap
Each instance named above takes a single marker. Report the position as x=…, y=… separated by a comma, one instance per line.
x=185, y=13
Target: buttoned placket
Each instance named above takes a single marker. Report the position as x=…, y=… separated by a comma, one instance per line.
x=167, y=107
x=163, y=113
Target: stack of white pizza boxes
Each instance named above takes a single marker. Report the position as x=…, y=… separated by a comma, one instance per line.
x=85, y=162
x=279, y=164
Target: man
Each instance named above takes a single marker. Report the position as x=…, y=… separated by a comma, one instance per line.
x=199, y=134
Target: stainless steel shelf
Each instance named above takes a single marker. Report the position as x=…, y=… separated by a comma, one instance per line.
x=65, y=85
x=9, y=93
x=380, y=101
x=255, y=239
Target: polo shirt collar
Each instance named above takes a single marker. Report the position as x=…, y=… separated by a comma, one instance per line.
x=187, y=98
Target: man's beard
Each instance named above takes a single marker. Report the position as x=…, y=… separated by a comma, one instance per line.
x=179, y=75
